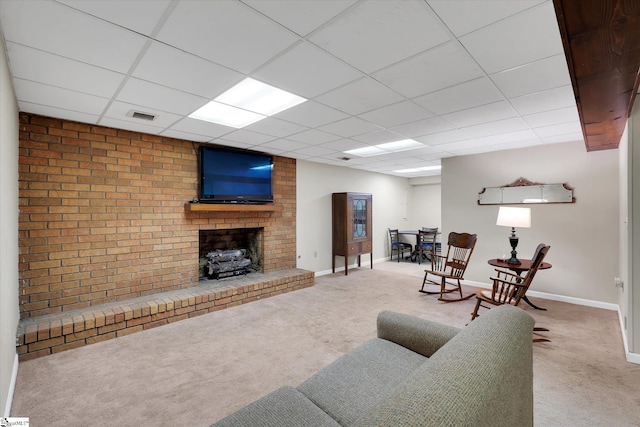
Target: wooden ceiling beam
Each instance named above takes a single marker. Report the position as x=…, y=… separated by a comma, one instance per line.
x=601, y=40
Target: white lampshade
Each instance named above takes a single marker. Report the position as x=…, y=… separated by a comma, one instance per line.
x=514, y=217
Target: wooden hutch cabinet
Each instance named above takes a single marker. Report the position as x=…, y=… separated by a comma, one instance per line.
x=351, y=227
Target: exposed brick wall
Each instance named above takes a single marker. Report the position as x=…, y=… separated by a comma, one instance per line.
x=102, y=215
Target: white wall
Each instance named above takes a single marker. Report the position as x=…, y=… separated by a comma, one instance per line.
x=9, y=312
x=584, y=236
x=425, y=208
x=315, y=184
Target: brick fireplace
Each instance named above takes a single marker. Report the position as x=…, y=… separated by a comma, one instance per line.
x=105, y=222
x=247, y=240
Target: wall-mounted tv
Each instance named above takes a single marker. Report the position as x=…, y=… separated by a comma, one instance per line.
x=234, y=176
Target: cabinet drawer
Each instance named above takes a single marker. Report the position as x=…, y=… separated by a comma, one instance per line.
x=366, y=247
x=353, y=248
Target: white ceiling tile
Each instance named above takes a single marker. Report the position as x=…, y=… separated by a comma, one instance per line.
x=58, y=29
x=141, y=16
x=485, y=113
x=460, y=97
x=313, y=136
x=299, y=16
x=569, y=137
x=311, y=114
x=513, y=124
x=177, y=69
x=124, y=124
x=37, y=93
x=344, y=145
x=477, y=14
x=378, y=137
x=351, y=126
x=442, y=137
x=58, y=113
x=299, y=156
x=360, y=96
x=561, y=129
x=283, y=144
x=509, y=43
x=315, y=151
x=438, y=68
x=121, y=111
x=547, y=100
x=38, y=66
x=515, y=144
x=423, y=127
x=200, y=127
x=225, y=32
x=509, y=137
x=307, y=71
x=547, y=73
x=171, y=133
x=248, y=137
x=397, y=114
x=375, y=34
x=69, y=59
x=552, y=117
x=275, y=127
x=141, y=92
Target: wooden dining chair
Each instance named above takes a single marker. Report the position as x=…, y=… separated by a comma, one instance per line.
x=396, y=245
x=448, y=270
x=426, y=243
x=510, y=288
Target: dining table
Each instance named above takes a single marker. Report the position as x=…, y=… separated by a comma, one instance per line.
x=415, y=233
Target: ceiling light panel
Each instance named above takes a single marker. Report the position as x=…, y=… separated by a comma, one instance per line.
x=259, y=97
x=366, y=151
x=403, y=145
x=226, y=115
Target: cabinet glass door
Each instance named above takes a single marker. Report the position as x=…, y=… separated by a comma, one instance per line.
x=359, y=218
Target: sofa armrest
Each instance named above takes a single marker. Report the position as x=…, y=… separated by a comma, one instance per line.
x=420, y=335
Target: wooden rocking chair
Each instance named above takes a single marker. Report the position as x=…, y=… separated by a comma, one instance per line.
x=509, y=288
x=448, y=270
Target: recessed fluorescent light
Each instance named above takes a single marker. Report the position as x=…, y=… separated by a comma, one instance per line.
x=386, y=148
x=247, y=102
x=259, y=97
x=366, y=151
x=422, y=169
x=226, y=115
x=405, y=144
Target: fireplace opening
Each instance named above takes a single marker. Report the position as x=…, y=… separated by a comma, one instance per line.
x=230, y=252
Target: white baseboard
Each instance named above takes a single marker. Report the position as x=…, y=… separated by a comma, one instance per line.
x=554, y=297
x=631, y=357
x=12, y=387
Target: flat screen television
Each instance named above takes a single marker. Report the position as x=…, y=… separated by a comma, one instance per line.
x=234, y=176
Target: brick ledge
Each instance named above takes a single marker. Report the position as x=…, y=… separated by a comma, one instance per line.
x=53, y=333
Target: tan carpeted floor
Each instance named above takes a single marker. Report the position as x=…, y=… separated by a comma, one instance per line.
x=197, y=371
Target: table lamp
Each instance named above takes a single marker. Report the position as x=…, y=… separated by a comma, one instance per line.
x=514, y=217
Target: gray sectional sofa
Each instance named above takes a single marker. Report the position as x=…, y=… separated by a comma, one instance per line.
x=415, y=373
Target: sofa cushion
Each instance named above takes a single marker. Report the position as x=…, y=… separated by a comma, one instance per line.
x=285, y=407
x=357, y=382
x=482, y=377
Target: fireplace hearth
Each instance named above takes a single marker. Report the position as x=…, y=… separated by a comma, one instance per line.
x=230, y=252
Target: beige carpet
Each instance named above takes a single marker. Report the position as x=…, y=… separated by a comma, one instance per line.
x=197, y=371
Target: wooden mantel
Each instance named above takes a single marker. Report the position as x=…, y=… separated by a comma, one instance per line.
x=229, y=207
x=601, y=41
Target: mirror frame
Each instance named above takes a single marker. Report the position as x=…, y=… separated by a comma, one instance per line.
x=523, y=191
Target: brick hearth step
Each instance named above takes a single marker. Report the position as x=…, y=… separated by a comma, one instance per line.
x=53, y=333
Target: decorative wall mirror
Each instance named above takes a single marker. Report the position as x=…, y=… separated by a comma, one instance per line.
x=524, y=191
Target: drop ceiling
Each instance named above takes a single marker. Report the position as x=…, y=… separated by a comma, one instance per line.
x=460, y=77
